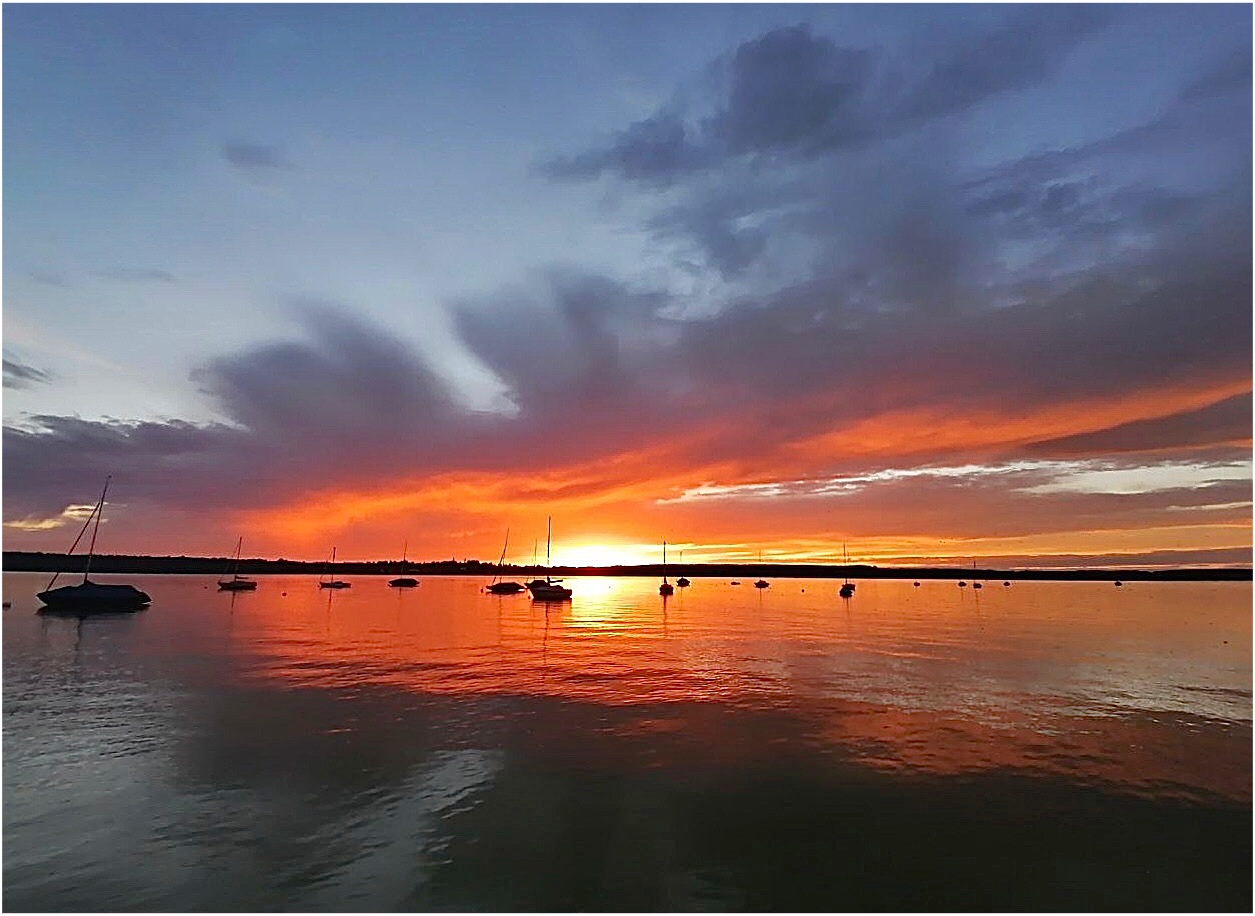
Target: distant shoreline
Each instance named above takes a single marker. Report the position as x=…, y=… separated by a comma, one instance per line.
x=25, y=561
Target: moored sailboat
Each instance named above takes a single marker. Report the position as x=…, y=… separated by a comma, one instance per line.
x=548, y=589
x=847, y=587
x=333, y=582
x=92, y=597
x=403, y=581
x=666, y=587
x=237, y=583
x=499, y=586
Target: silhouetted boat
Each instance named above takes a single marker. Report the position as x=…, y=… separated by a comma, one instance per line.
x=548, y=589
x=734, y=582
x=333, y=582
x=975, y=584
x=682, y=582
x=761, y=583
x=403, y=581
x=498, y=586
x=665, y=588
x=92, y=597
x=847, y=589
x=237, y=583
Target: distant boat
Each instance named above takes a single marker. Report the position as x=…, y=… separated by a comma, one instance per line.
x=237, y=583
x=917, y=585
x=403, y=581
x=734, y=582
x=666, y=587
x=333, y=582
x=962, y=584
x=498, y=586
x=548, y=589
x=682, y=582
x=91, y=597
x=847, y=589
x=1006, y=584
x=975, y=584
x=1119, y=584
x=761, y=583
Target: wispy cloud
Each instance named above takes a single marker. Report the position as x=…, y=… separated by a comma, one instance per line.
x=19, y=375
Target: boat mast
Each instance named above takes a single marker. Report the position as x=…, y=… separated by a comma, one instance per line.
x=664, y=562
x=501, y=561
x=548, y=539
x=100, y=510
x=235, y=570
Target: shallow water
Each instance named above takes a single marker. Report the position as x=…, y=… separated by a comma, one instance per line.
x=1042, y=746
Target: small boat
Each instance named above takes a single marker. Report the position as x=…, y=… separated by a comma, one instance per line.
x=1006, y=584
x=761, y=583
x=666, y=588
x=1119, y=584
x=847, y=588
x=975, y=584
x=403, y=581
x=333, y=582
x=682, y=582
x=92, y=597
x=962, y=584
x=237, y=583
x=548, y=589
x=734, y=582
x=499, y=586
x=917, y=585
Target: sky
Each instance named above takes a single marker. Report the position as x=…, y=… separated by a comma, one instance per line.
x=923, y=283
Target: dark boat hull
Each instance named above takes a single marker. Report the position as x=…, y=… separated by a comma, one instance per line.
x=550, y=593
x=504, y=588
x=334, y=585
x=403, y=582
x=91, y=597
x=237, y=585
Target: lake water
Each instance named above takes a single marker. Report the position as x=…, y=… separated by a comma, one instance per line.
x=1043, y=746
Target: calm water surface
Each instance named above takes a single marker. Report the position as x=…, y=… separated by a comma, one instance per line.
x=1043, y=746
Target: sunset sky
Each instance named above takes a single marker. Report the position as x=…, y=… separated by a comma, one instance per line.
x=944, y=283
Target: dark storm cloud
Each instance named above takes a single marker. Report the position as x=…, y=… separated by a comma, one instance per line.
x=19, y=375
x=255, y=157
x=793, y=92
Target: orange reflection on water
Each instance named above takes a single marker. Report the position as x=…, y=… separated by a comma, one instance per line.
x=1148, y=686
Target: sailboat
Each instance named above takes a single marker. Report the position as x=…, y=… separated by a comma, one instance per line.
x=847, y=588
x=975, y=584
x=237, y=583
x=761, y=583
x=333, y=582
x=548, y=589
x=682, y=582
x=403, y=581
x=665, y=588
x=88, y=596
x=499, y=586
